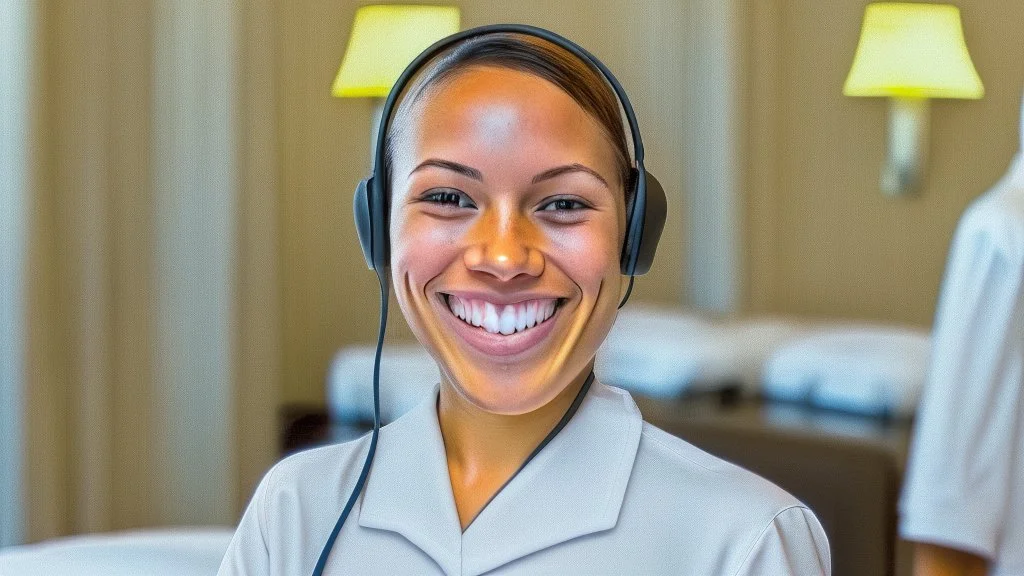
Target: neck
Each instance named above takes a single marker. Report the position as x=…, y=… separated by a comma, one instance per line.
x=472, y=434
x=485, y=449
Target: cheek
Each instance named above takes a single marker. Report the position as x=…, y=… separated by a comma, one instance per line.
x=588, y=254
x=420, y=249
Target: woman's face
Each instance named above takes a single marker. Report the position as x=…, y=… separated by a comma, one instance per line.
x=507, y=218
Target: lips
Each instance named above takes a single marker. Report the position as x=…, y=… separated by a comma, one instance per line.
x=504, y=319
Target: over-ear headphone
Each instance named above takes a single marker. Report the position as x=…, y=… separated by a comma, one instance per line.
x=646, y=203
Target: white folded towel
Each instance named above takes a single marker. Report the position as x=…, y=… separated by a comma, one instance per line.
x=668, y=352
x=874, y=370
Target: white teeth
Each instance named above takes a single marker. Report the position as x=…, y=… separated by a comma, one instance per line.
x=478, y=312
x=531, y=314
x=492, y=323
x=507, y=319
x=521, y=317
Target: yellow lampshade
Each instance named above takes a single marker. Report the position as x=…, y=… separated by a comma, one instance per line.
x=384, y=40
x=912, y=51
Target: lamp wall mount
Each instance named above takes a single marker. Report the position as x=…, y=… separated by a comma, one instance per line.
x=907, y=157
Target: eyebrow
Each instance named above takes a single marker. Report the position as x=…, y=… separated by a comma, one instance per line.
x=568, y=168
x=475, y=174
x=449, y=165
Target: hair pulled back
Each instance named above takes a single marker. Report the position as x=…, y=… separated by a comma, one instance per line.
x=580, y=80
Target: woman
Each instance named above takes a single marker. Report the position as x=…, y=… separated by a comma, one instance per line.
x=508, y=168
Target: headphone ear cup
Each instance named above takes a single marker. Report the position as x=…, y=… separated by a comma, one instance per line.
x=655, y=211
x=379, y=221
x=646, y=219
x=364, y=227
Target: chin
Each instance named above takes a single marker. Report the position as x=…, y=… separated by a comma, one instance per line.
x=507, y=392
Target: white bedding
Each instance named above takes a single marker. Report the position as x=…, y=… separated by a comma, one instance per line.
x=872, y=370
x=158, y=552
x=668, y=352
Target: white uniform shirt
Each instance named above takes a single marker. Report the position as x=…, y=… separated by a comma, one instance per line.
x=609, y=495
x=965, y=479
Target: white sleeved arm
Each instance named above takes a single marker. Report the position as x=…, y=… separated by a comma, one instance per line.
x=248, y=553
x=793, y=544
x=960, y=472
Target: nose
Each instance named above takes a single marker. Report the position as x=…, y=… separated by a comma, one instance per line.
x=504, y=247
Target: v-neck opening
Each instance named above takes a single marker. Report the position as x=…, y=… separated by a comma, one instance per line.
x=566, y=417
x=409, y=491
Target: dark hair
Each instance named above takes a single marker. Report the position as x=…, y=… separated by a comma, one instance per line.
x=580, y=80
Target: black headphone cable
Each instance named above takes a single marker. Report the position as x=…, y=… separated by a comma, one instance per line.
x=321, y=562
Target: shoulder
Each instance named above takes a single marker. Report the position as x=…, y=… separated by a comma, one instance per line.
x=702, y=506
x=680, y=469
x=296, y=483
x=306, y=489
x=669, y=464
x=324, y=461
x=995, y=220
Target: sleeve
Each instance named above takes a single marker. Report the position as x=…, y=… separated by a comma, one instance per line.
x=959, y=476
x=248, y=553
x=793, y=544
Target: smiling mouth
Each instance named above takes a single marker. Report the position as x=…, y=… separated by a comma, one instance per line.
x=502, y=319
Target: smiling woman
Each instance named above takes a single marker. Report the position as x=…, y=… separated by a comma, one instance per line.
x=527, y=229
x=512, y=239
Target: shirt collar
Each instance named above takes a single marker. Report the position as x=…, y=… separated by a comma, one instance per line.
x=573, y=487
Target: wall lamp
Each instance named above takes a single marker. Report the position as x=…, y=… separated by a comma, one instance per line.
x=383, y=41
x=911, y=52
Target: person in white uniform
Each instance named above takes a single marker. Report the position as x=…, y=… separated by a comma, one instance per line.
x=508, y=172
x=963, y=500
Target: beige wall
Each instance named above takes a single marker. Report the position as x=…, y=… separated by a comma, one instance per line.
x=817, y=238
x=822, y=240
x=329, y=297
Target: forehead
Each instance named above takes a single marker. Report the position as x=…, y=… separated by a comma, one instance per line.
x=495, y=110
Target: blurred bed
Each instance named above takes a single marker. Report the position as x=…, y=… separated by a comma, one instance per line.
x=158, y=552
x=669, y=353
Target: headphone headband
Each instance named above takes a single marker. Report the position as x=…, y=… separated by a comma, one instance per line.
x=561, y=41
x=645, y=206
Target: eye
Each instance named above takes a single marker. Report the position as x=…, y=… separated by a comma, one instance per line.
x=448, y=198
x=564, y=205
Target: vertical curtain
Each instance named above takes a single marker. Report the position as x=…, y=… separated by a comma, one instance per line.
x=712, y=44
x=15, y=83
x=152, y=352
